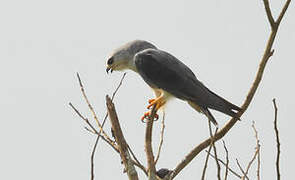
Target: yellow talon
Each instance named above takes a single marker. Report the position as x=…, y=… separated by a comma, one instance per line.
x=159, y=101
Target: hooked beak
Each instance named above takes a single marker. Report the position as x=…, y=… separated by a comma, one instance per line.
x=108, y=69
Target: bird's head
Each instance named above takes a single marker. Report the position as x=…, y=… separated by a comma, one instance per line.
x=123, y=57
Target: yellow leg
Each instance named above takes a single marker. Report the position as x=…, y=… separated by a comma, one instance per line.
x=159, y=101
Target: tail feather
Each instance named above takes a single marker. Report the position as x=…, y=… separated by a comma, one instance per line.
x=222, y=105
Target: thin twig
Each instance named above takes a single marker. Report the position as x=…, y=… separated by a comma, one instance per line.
x=93, y=130
x=258, y=166
x=278, y=21
x=206, y=162
x=91, y=108
x=268, y=52
x=277, y=139
x=136, y=160
x=84, y=118
x=227, y=161
x=210, y=147
x=257, y=149
x=241, y=169
x=269, y=14
x=140, y=166
x=92, y=157
x=118, y=87
x=112, y=144
x=102, y=125
x=215, y=152
x=116, y=149
x=229, y=169
x=161, y=138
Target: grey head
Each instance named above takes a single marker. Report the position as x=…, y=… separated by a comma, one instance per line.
x=123, y=57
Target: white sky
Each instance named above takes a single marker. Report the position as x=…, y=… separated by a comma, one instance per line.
x=43, y=44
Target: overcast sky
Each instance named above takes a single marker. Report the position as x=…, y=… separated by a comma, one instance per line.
x=44, y=43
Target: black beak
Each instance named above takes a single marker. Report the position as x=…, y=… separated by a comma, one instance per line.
x=108, y=69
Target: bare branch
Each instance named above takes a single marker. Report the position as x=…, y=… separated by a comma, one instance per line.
x=278, y=21
x=217, y=162
x=227, y=161
x=122, y=144
x=241, y=169
x=258, y=166
x=93, y=130
x=267, y=54
x=116, y=149
x=92, y=157
x=256, y=151
x=137, y=161
x=84, y=118
x=148, y=145
x=118, y=87
x=206, y=162
x=161, y=138
x=91, y=109
x=269, y=14
x=277, y=139
x=208, y=153
x=229, y=169
x=140, y=166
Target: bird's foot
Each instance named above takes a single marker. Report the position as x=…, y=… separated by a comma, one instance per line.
x=159, y=101
x=147, y=116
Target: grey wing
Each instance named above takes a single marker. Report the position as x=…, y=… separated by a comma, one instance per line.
x=161, y=70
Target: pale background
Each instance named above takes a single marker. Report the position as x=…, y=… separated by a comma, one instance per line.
x=44, y=43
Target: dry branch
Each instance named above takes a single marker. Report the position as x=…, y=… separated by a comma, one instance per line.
x=277, y=140
x=121, y=142
x=91, y=108
x=267, y=54
x=241, y=169
x=206, y=162
x=269, y=14
x=148, y=145
x=92, y=129
x=92, y=157
x=227, y=166
x=161, y=138
x=257, y=150
x=227, y=161
x=208, y=153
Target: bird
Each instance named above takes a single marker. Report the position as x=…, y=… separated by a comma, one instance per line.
x=169, y=78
